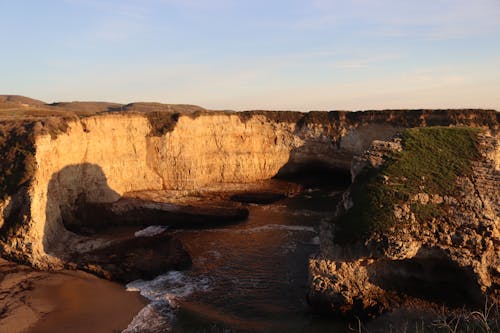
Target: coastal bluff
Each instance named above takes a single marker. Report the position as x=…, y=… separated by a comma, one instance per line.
x=56, y=156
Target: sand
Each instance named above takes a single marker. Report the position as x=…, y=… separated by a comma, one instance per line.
x=64, y=301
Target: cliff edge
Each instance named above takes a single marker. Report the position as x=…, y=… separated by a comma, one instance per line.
x=419, y=222
x=54, y=156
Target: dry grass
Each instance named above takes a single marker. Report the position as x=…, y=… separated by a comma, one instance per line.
x=486, y=320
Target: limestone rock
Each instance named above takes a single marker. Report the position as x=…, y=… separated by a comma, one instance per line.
x=103, y=156
x=450, y=259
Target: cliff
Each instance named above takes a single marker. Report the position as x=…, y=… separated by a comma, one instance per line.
x=420, y=220
x=56, y=155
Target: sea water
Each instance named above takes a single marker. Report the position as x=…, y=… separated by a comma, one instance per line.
x=247, y=277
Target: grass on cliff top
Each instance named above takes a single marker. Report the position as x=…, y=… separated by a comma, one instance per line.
x=430, y=162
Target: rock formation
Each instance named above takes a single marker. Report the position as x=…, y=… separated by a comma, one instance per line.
x=421, y=220
x=55, y=155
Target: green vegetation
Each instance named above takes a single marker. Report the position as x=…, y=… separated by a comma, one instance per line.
x=431, y=160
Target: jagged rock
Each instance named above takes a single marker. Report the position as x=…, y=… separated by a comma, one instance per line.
x=345, y=287
x=450, y=258
x=135, y=258
x=168, y=147
x=140, y=212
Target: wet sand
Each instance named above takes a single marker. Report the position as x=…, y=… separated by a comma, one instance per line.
x=65, y=301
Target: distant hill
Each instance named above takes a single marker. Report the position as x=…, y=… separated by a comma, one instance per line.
x=159, y=107
x=12, y=101
x=21, y=107
x=90, y=107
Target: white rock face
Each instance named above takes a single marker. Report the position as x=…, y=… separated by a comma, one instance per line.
x=220, y=149
x=103, y=157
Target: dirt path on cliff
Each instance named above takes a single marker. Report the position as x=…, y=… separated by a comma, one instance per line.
x=66, y=301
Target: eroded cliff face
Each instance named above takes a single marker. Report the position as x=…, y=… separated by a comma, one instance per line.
x=103, y=157
x=220, y=149
x=99, y=158
x=443, y=244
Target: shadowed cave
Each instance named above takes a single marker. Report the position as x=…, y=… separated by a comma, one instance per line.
x=315, y=173
x=70, y=206
x=429, y=275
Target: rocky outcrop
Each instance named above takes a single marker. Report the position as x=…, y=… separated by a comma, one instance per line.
x=102, y=157
x=144, y=212
x=135, y=258
x=440, y=244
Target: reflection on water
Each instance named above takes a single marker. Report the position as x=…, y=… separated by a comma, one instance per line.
x=247, y=277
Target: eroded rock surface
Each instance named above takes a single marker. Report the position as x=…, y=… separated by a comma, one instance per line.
x=441, y=247
x=141, y=212
x=100, y=153
x=135, y=258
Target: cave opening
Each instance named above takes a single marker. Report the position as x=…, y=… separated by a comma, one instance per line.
x=315, y=173
x=433, y=278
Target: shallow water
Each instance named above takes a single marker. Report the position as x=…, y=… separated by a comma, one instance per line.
x=250, y=276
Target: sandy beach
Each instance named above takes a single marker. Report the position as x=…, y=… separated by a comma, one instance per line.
x=64, y=301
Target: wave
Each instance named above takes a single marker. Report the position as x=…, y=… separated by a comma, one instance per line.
x=150, y=231
x=169, y=286
x=264, y=228
x=278, y=227
x=154, y=318
x=163, y=292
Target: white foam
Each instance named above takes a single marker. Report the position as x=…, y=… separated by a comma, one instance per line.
x=163, y=292
x=279, y=227
x=273, y=208
x=308, y=213
x=264, y=228
x=151, y=318
x=151, y=231
x=169, y=286
x=215, y=254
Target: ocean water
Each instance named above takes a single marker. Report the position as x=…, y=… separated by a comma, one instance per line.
x=247, y=277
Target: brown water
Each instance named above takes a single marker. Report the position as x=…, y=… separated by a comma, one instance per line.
x=246, y=277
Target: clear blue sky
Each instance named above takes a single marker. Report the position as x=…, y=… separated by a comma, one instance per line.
x=225, y=54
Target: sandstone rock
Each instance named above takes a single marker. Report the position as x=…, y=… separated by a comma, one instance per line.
x=344, y=287
x=422, y=198
x=107, y=155
x=450, y=259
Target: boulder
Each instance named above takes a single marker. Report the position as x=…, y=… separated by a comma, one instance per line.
x=135, y=258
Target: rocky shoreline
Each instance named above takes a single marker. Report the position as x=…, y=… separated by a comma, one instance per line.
x=442, y=249
x=70, y=175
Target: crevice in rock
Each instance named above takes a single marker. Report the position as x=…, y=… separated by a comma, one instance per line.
x=431, y=276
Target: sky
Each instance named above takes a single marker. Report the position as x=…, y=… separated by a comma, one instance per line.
x=243, y=55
